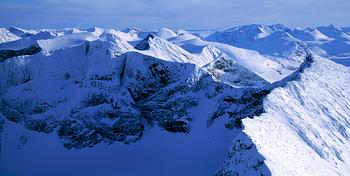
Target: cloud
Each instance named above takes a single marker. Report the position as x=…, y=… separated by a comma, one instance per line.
x=186, y=14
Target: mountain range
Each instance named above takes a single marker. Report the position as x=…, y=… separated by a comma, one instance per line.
x=249, y=100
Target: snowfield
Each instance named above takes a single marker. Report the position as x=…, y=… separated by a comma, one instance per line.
x=250, y=100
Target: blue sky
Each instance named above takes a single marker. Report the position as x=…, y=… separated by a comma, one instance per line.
x=176, y=14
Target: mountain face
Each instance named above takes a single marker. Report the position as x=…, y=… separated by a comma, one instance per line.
x=7, y=36
x=285, y=107
x=301, y=129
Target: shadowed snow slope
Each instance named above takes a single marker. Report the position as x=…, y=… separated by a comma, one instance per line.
x=22, y=32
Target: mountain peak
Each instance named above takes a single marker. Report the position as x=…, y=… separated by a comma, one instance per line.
x=165, y=33
x=144, y=44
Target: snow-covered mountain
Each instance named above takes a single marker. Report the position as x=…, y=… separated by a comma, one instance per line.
x=278, y=40
x=268, y=40
x=305, y=127
x=7, y=36
x=269, y=90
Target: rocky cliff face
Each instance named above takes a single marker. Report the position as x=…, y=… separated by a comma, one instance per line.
x=87, y=94
x=101, y=105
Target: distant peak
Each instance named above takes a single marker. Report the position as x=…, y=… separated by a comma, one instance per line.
x=166, y=33
x=329, y=27
x=144, y=44
x=278, y=27
x=21, y=32
x=96, y=31
x=244, y=27
x=181, y=32
x=131, y=29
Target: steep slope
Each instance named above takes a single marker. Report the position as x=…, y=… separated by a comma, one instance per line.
x=160, y=48
x=269, y=68
x=7, y=36
x=7, y=54
x=306, y=123
x=309, y=34
x=227, y=70
x=22, y=32
x=203, y=51
x=237, y=61
x=120, y=91
x=88, y=95
x=119, y=95
x=327, y=41
x=27, y=42
x=339, y=47
x=95, y=31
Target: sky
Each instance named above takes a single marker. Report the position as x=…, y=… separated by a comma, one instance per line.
x=174, y=14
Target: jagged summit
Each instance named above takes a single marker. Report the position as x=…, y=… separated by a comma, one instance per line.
x=144, y=44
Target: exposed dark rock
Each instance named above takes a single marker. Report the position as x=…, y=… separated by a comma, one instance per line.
x=243, y=159
x=41, y=125
x=175, y=126
x=95, y=99
x=22, y=141
x=144, y=45
x=81, y=134
x=6, y=54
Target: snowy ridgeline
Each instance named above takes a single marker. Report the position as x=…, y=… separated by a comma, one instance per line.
x=305, y=127
x=285, y=108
